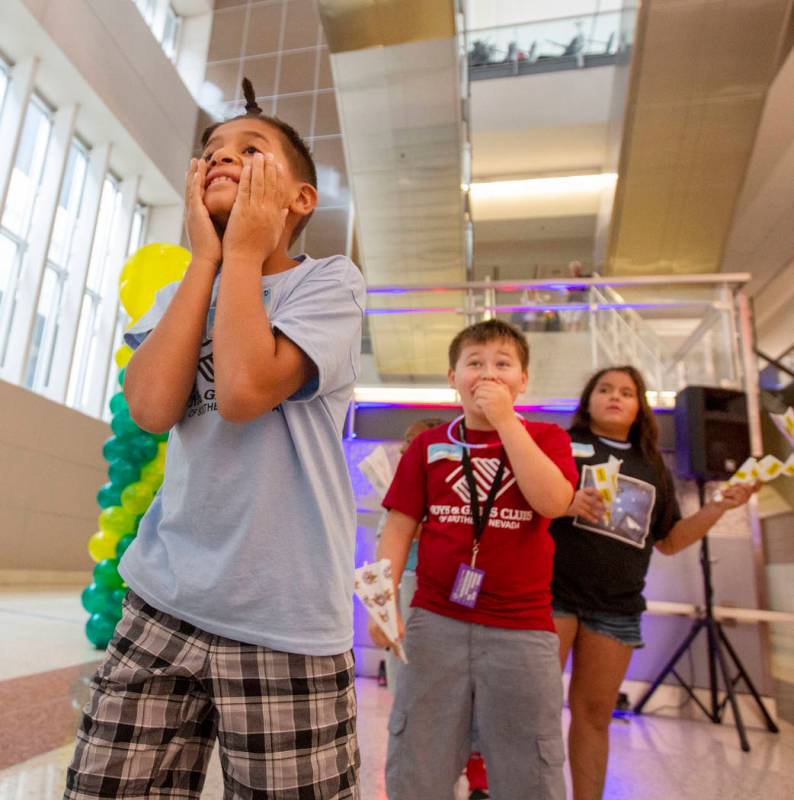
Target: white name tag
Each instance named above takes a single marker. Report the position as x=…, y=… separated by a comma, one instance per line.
x=582, y=450
x=444, y=451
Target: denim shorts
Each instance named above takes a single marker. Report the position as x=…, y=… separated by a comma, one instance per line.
x=625, y=628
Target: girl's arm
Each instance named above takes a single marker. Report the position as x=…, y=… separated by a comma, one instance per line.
x=693, y=528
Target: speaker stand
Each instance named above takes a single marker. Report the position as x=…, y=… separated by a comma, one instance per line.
x=719, y=651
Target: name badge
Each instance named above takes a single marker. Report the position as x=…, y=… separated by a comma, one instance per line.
x=582, y=450
x=466, y=588
x=443, y=451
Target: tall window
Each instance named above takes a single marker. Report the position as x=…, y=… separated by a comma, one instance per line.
x=164, y=23
x=3, y=82
x=45, y=326
x=170, y=40
x=23, y=191
x=85, y=369
x=146, y=7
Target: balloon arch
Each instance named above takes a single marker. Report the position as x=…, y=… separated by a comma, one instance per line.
x=136, y=459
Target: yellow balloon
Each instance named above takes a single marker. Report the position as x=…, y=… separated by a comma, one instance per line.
x=122, y=356
x=159, y=459
x=152, y=474
x=147, y=271
x=102, y=545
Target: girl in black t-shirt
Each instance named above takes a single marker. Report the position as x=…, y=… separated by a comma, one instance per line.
x=600, y=563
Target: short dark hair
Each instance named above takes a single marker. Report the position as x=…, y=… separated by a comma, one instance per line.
x=489, y=331
x=297, y=151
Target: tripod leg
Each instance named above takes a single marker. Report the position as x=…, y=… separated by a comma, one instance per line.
x=729, y=689
x=713, y=644
x=770, y=723
x=670, y=665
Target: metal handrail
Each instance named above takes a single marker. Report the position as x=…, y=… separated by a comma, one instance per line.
x=737, y=279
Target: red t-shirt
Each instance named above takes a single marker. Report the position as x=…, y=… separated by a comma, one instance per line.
x=516, y=549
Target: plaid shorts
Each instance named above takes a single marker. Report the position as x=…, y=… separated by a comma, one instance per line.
x=285, y=723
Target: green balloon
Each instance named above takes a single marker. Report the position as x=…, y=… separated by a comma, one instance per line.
x=122, y=424
x=106, y=574
x=108, y=495
x=141, y=448
x=119, y=595
x=114, y=448
x=161, y=437
x=120, y=377
x=96, y=599
x=99, y=629
x=122, y=473
x=136, y=498
x=118, y=403
x=122, y=546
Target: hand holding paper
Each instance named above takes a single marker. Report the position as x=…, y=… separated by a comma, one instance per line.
x=606, y=482
x=375, y=588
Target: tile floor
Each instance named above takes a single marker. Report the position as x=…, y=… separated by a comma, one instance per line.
x=45, y=660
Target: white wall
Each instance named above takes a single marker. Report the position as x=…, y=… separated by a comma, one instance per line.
x=761, y=240
x=52, y=466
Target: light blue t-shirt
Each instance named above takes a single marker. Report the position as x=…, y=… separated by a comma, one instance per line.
x=252, y=534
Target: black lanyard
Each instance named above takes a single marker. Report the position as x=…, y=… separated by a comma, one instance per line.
x=480, y=518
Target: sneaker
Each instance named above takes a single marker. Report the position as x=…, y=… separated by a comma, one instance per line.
x=479, y=794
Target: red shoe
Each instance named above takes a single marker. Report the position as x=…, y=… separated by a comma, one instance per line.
x=477, y=777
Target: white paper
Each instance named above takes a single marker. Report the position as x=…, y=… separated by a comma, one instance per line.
x=606, y=482
x=374, y=586
x=785, y=423
x=747, y=473
x=378, y=470
x=769, y=468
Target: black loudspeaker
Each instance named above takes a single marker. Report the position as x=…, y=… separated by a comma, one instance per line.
x=712, y=437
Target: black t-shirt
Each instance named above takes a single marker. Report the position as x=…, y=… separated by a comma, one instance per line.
x=602, y=567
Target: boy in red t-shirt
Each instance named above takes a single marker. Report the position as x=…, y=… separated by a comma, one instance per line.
x=480, y=640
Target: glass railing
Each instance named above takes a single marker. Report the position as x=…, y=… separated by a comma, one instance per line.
x=678, y=330
x=556, y=44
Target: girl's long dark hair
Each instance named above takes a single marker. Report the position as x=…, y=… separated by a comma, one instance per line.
x=644, y=432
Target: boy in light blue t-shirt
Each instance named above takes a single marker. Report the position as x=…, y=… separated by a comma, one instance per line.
x=238, y=623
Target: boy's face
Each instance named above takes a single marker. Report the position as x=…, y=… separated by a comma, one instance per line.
x=497, y=361
x=232, y=145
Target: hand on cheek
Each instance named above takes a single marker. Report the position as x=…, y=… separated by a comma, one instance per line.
x=259, y=213
x=202, y=236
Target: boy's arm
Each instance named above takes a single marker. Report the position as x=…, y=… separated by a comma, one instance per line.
x=161, y=373
x=255, y=368
x=540, y=480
